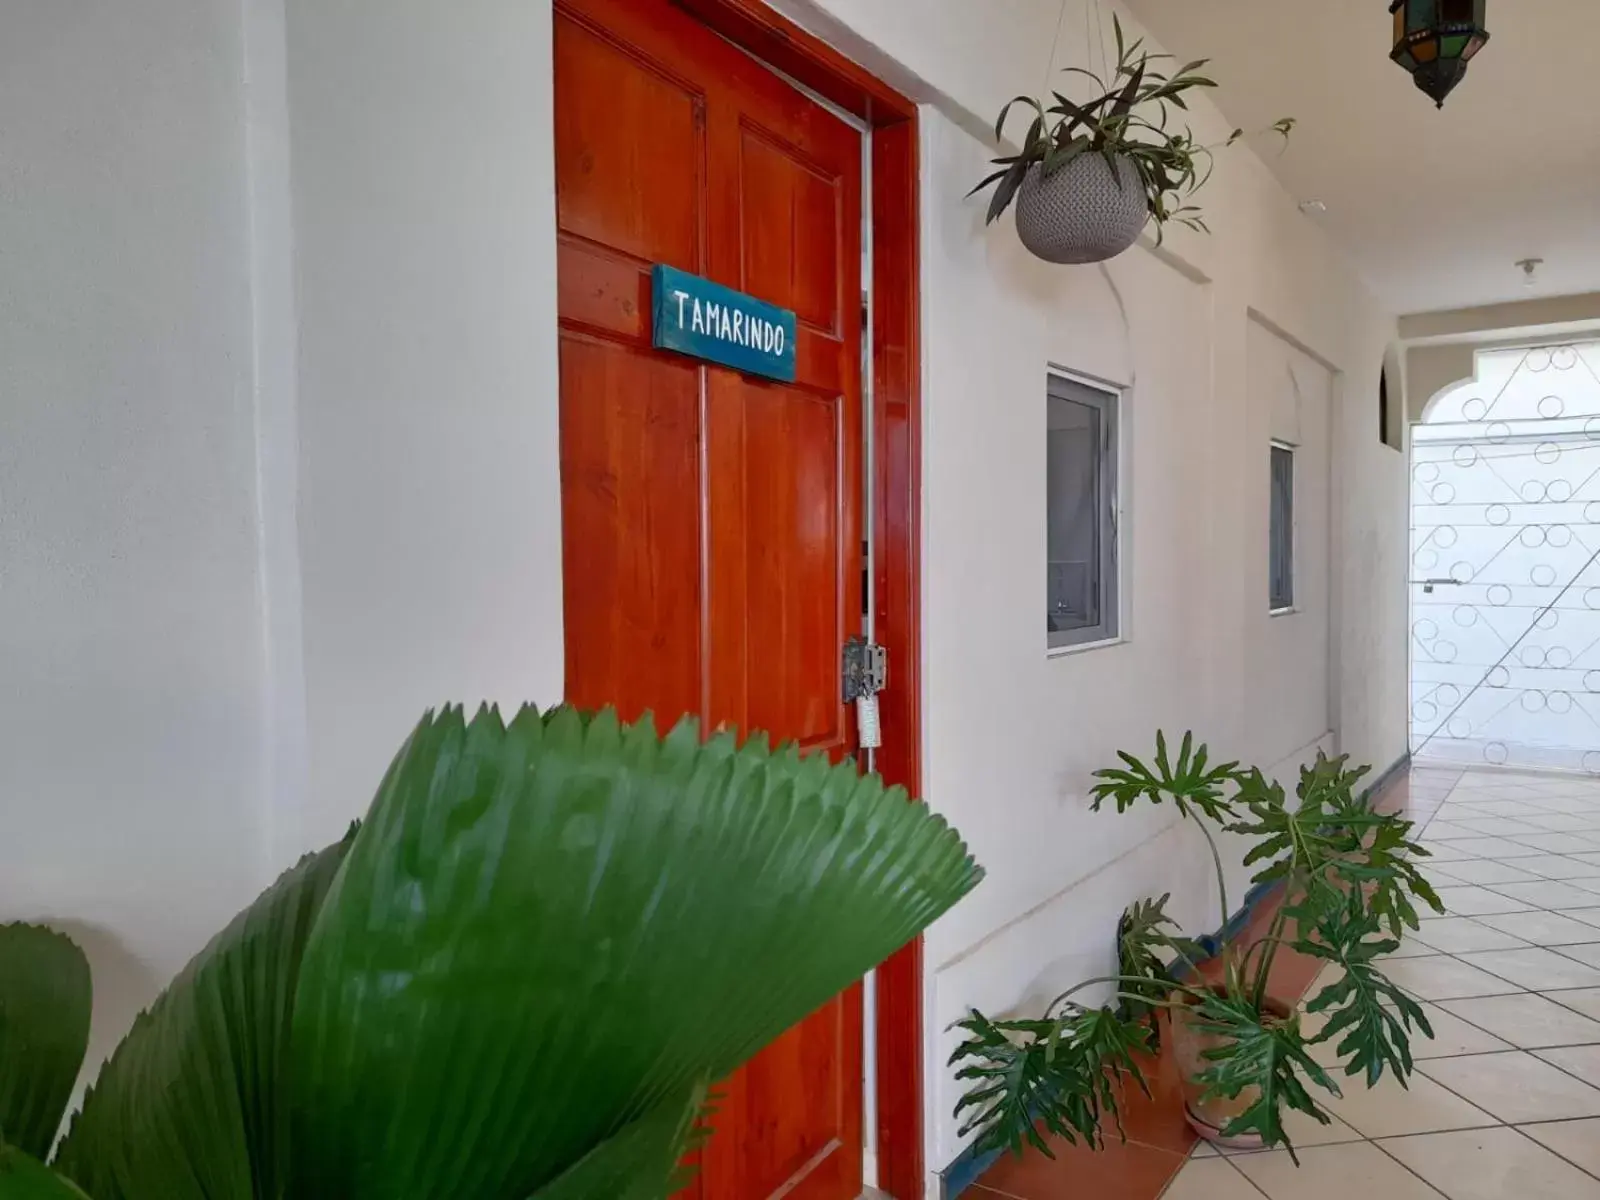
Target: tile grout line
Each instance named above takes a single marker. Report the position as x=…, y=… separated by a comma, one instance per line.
x=1498, y=1123
x=1514, y=1049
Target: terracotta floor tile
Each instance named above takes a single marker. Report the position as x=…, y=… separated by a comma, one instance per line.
x=1157, y=1119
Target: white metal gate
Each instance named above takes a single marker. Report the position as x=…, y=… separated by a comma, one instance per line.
x=1505, y=564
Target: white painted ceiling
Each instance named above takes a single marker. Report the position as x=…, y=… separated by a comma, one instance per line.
x=1434, y=206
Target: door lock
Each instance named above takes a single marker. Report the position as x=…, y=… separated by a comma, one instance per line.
x=864, y=672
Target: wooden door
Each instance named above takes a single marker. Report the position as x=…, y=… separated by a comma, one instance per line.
x=712, y=521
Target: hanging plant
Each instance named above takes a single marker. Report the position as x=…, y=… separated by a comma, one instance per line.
x=1091, y=173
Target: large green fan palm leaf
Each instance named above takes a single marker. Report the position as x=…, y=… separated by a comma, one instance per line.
x=45, y=999
x=23, y=1177
x=192, y=1106
x=548, y=935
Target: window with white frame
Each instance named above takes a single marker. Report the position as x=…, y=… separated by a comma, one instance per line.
x=1081, y=515
x=1280, y=568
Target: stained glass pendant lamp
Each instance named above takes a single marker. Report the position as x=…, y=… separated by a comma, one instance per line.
x=1435, y=39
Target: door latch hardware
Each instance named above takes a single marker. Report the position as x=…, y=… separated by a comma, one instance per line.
x=864, y=669
x=864, y=672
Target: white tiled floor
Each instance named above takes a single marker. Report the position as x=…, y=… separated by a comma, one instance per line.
x=1505, y=1103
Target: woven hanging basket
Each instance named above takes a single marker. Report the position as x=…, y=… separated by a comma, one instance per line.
x=1084, y=212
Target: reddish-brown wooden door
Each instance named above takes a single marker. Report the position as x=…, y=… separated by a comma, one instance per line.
x=712, y=521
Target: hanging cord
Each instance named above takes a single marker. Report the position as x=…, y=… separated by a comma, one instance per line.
x=1055, y=44
x=1100, y=42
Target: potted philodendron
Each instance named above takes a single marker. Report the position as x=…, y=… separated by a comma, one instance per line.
x=517, y=977
x=1092, y=172
x=1350, y=883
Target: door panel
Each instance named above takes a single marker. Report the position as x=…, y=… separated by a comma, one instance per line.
x=794, y=603
x=630, y=471
x=601, y=159
x=711, y=521
x=774, y=178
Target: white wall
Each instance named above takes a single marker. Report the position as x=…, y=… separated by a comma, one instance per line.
x=278, y=453
x=430, y=503
x=132, y=805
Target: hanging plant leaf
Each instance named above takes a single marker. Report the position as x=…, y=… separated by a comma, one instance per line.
x=547, y=930
x=45, y=1002
x=192, y=1105
x=1007, y=189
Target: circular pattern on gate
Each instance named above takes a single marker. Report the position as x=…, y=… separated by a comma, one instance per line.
x=1499, y=432
x=1559, y=702
x=1591, y=681
x=1533, y=656
x=1427, y=472
x=1548, y=618
x=1462, y=571
x=1499, y=595
x=1459, y=727
x=1542, y=574
x=1424, y=711
x=1558, y=535
x=1591, y=762
x=1475, y=409
x=1442, y=493
x=1499, y=677
x=1559, y=490
x=1563, y=358
x=1547, y=452
x=1533, y=491
x=1531, y=536
x=1445, y=536
x=1425, y=629
x=1559, y=657
x=1447, y=694
x=1427, y=560
x=1466, y=616
x=1591, y=598
x=1499, y=514
x=1533, y=701
x=1495, y=753
x=1591, y=429
x=1551, y=407
x=1443, y=651
x=1465, y=456
x=1537, y=360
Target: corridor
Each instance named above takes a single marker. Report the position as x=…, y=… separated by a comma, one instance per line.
x=1506, y=1099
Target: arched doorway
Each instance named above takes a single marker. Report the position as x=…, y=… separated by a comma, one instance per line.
x=1505, y=564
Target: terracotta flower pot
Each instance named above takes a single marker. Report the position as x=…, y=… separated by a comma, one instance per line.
x=1083, y=213
x=1210, y=1117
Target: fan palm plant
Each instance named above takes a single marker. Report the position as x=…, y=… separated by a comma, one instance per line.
x=517, y=978
x=1350, y=884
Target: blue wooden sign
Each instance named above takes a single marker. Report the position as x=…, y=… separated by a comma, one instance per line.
x=702, y=319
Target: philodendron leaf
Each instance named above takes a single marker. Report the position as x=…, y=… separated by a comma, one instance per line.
x=23, y=1177
x=1061, y=1076
x=45, y=998
x=547, y=930
x=1370, y=1018
x=191, y=1105
x=1262, y=1053
x=1142, y=936
x=1190, y=783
